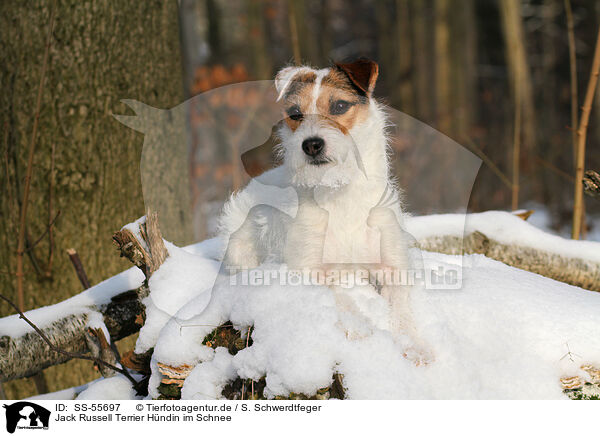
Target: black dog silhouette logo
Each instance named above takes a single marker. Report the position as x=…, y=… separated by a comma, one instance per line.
x=26, y=415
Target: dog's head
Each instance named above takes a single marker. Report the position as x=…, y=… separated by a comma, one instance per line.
x=327, y=119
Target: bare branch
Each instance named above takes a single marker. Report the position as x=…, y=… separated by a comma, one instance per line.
x=29, y=173
x=581, y=136
x=76, y=261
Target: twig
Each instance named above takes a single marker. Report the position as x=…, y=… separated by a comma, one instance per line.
x=569, y=354
x=23, y=218
x=486, y=160
x=554, y=168
x=516, y=155
x=41, y=334
x=581, y=136
x=50, y=220
x=252, y=381
x=573, y=73
x=8, y=183
x=31, y=254
x=181, y=327
x=38, y=240
x=101, y=348
x=79, y=269
x=247, y=344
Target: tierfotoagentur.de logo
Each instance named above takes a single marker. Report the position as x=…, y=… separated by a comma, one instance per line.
x=25, y=415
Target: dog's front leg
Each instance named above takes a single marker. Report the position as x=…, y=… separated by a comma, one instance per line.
x=242, y=250
x=394, y=259
x=306, y=236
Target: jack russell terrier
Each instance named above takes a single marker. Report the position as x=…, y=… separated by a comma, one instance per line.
x=334, y=154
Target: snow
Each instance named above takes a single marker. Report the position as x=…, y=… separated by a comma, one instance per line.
x=182, y=277
x=65, y=394
x=503, y=227
x=209, y=378
x=504, y=335
x=113, y=388
x=84, y=302
x=96, y=321
x=542, y=218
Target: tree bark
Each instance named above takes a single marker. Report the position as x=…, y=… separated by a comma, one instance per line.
x=100, y=53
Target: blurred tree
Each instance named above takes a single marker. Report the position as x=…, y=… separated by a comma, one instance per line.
x=100, y=53
x=518, y=67
x=442, y=67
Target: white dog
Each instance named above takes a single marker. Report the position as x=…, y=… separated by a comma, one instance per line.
x=345, y=210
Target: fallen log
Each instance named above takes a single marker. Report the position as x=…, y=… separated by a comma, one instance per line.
x=25, y=355
x=573, y=271
x=28, y=354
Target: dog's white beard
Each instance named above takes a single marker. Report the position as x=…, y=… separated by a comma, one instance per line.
x=345, y=165
x=341, y=173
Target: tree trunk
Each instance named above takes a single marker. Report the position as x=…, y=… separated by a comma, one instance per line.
x=100, y=53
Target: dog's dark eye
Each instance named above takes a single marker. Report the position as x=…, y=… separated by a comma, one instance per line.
x=294, y=113
x=339, y=107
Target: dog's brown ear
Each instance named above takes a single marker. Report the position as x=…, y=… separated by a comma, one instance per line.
x=362, y=73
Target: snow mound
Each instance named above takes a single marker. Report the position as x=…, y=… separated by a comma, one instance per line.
x=182, y=277
x=506, y=334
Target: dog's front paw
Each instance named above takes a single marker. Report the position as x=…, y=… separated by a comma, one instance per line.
x=419, y=355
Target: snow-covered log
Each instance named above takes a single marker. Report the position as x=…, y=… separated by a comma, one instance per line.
x=573, y=271
x=497, y=235
x=70, y=325
x=509, y=239
x=22, y=355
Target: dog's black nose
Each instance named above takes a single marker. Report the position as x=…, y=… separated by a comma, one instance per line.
x=313, y=146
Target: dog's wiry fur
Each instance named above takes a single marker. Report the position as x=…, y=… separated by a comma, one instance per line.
x=336, y=215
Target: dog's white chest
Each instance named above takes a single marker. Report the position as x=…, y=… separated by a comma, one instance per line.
x=351, y=241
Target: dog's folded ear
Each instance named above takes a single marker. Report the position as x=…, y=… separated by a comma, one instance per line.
x=362, y=73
